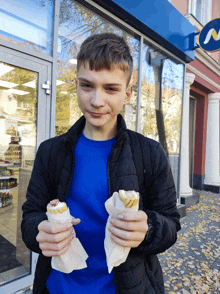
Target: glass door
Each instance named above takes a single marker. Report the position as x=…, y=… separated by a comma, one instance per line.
x=24, y=123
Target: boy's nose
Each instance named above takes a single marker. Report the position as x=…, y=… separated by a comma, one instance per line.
x=97, y=99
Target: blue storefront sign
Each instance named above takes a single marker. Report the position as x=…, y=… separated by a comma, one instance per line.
x=209, y=37
x=160, y=21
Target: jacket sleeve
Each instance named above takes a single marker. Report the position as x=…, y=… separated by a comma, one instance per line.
x=34, y=208
x=159, y=203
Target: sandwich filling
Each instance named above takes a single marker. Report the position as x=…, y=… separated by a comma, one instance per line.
x=55, y=207
x=129, y=198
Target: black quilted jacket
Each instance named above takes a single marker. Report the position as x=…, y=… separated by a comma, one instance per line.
x=51, y=178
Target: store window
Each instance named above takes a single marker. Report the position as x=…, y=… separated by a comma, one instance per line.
x=161, y=103
x=18, y=115
x=28, y=23
x=197, y=9
x=78, y=22
x=201, y=9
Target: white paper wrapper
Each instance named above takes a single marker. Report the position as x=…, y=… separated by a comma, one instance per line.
x=115, y=254
x=75, y=257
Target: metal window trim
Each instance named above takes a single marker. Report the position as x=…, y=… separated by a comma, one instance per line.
x=27, y=51
x=30, y=63
x=190, y=7
x=139, y=84
x=54, y=69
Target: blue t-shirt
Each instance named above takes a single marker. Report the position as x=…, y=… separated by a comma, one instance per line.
x=87, y=195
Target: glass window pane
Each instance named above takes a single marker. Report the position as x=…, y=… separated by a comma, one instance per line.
x=18, y=110
x=172, y=91
x=161, y=103
x=28, y=23
x=76, y=24
x=198, y=10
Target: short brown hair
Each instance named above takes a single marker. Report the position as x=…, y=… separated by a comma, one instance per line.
x=104, y=51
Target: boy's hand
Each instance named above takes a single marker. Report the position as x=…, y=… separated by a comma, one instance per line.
x=55, y=239
x=130, y=230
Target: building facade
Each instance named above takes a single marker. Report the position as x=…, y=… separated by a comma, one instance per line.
x=202, y=89
x=39, y=42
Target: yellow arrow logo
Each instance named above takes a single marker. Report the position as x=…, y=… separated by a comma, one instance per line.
x=212, y=33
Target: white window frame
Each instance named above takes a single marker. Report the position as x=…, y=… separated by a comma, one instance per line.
x=206, y=10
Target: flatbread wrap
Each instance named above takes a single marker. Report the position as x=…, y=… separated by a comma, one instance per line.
x=75, y=257
x=129, y=198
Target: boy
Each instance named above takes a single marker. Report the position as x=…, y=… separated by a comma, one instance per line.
x=84, y=167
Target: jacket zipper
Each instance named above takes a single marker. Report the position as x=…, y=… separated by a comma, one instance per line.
x=71, y=173
x=108, y=173
x=108, y=178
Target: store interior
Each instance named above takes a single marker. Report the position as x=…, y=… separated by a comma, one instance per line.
x=18, y=103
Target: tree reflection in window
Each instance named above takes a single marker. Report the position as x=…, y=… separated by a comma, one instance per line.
x=161, y=102
x=76, y=23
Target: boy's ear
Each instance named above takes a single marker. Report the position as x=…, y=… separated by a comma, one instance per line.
x=129, y=92
x=76, y=82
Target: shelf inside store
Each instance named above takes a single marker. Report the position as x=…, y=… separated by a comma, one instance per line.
x=6, y=177
x=8, y=190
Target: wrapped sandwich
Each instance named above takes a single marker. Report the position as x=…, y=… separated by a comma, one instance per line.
x=118, y=202
x=129, y=198
x=75, y=257
x=56, y=207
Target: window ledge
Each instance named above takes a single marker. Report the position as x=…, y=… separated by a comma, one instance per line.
x=194, y=21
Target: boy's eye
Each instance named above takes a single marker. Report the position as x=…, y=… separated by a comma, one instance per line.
x=86, y=86
x=112, y=89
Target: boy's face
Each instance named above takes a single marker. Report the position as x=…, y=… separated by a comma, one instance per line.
x=101, y=96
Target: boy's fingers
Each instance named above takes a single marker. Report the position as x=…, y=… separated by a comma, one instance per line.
x=132, y=216
x=52, y=228
x=129, y=225
x=57, y=244
x=43, y=236
x=50, y=253
x=75, y=221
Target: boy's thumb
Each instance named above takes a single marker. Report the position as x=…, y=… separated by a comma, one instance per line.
x=75, y=221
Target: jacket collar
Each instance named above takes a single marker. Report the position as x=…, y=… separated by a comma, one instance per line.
x=74, y=132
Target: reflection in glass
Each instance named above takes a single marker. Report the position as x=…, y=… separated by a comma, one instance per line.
x=76, y=24
x=197, y=9
x=18, y=110
x=28, y=23
x=161, y=103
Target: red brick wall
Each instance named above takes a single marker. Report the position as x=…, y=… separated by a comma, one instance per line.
x=215, y=9
x=209, y=73
x=200, y=129
x=181, y=5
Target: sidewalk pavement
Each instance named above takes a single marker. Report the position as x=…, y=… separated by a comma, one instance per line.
x=192, y=264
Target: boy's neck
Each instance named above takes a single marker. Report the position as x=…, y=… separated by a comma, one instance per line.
x=98, y=134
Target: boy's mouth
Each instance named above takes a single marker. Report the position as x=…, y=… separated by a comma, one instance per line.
x=94, y=114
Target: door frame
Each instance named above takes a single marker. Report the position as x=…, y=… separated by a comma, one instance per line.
x=43, y=68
